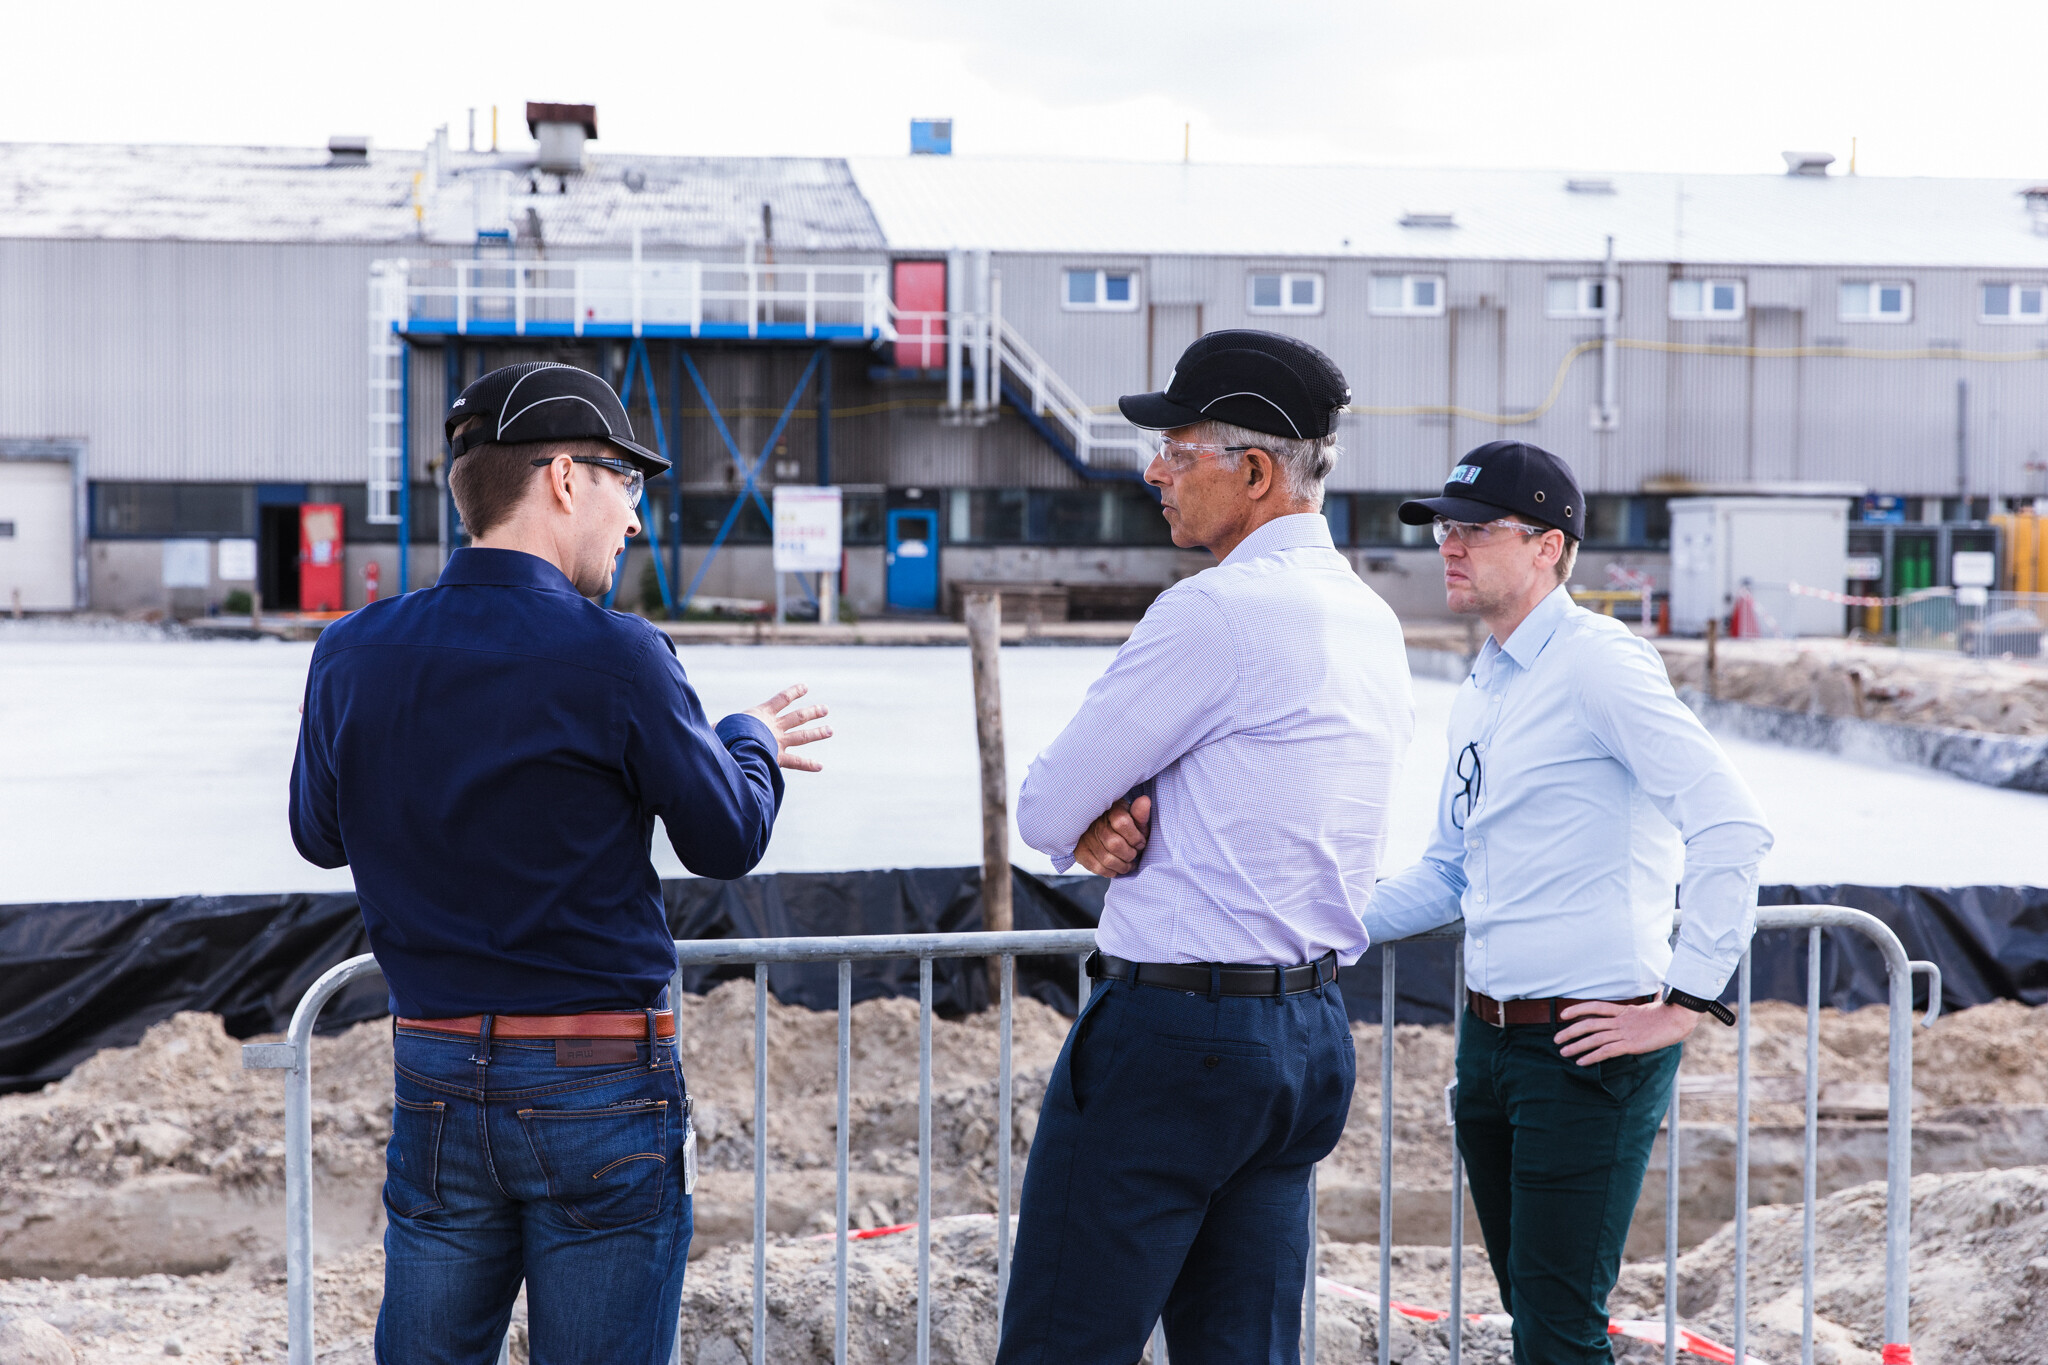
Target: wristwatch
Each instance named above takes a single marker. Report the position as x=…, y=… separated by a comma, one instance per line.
x=1675, y=996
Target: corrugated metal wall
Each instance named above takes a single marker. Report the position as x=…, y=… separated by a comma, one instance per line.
x=189, y=361
x=1886, y=423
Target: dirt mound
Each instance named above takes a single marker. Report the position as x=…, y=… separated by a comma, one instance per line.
x=1873, y=682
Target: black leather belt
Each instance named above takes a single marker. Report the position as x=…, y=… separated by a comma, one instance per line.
x=1217, y=978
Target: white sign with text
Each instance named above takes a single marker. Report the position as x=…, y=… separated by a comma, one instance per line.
x=807, y=529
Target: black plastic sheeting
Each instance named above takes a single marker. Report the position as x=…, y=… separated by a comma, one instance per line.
x=75, y=978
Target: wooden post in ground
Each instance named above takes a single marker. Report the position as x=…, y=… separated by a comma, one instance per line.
x=984, y=615
x=1713, y=640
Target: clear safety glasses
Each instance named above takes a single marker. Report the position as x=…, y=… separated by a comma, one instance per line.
x=1473, y=533
x=635, y=478
x=1180, y=456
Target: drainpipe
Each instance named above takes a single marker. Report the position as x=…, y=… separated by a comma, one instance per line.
x=983, y=390
x=956, y=293
x=1607, y=417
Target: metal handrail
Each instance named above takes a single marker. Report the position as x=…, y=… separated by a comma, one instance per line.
x=294, y=1057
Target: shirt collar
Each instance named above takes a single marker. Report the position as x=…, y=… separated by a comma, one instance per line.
x=1538, y=626
x=1295, y=531
x=474, y=565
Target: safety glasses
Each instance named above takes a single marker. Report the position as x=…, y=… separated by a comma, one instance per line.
x=1467, y=797
x=1181, y=456
x=1476, y=533
x=635, y=478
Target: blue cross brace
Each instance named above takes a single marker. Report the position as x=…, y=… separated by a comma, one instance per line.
x=639, y=354
x=749, y=472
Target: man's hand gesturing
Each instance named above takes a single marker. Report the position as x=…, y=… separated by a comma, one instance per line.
x=1112, y=845
x=787, y=725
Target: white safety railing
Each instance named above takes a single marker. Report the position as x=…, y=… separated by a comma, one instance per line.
x=388, y=393
x=294, y=1057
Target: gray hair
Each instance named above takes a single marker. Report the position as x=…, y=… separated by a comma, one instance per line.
x=1302, y=463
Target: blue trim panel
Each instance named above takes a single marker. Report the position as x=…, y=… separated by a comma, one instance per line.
x=722, y=331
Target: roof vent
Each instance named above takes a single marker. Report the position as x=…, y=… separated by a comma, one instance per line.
x=561, y=130
x=931, y=137
x=1808, y=163
x=634, y=179
x=348, y=149
x=2037, y=207
x=1428, y=220
x=1590, y=186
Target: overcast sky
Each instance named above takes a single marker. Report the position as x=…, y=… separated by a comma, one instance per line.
x=1950, y=89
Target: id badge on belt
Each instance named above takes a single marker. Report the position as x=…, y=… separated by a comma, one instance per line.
x=689, y=1145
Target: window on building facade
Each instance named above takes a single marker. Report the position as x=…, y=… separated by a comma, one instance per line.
x=1700, y=299
x=1122, y=515
x=1285, y=292
x=1408, y=295
x=2015, y=303
x=1876, y=301
x=1575, y=296
x=1110, y=290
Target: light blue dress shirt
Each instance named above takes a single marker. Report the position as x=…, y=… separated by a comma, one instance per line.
x=1266, y=701
x=1597, y=788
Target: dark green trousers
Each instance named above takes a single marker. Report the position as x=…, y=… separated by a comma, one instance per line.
x=1555, y=1153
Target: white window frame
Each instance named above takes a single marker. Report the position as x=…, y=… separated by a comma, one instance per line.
x=1707, y=287
x=1102, y=303
x=1288, y=279
x=1585, y=285
x=1408, y=307
x=2013, y=317
x=1870, y=314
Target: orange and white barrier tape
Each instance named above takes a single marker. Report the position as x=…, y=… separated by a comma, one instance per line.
x=1843, y=599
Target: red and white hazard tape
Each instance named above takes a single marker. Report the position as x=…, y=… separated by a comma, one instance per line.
x=1634, y=1329
x=1844, y=599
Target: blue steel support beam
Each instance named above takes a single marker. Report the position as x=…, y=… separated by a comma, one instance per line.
x=824, y=416
x=750, y=472
x=675, y=473
x=637, y=363
x=405, y=469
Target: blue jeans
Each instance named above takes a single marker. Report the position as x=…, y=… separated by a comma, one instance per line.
x=1169, y=1178
x=503, y=1167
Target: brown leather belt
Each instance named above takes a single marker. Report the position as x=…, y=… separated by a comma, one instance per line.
x=1501, y=1013
x=599, y=1024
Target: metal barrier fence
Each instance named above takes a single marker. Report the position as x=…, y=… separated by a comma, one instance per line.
x=1978, y=622
x=294, y=1056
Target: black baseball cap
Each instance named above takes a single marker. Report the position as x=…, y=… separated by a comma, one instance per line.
x=1260, y=380
x=1504, y=477
x=545, y=401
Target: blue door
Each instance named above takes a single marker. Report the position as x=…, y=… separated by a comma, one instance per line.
x=913, y=561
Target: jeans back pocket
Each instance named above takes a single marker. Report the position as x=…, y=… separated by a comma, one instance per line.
x=412, y=1159
x=605, y=1167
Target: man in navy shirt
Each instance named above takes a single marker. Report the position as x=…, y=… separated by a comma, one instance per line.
x=488, y=756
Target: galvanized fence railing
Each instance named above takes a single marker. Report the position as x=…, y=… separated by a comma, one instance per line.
x=294, y=1056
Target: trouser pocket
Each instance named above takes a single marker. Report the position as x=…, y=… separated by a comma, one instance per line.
x=605, y=1167
x=412, y=1159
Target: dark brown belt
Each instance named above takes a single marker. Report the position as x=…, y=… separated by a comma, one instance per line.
x=1501, y=1013
x=599, y=1024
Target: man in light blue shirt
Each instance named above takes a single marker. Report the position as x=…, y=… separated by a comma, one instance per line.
x=1579, y=794
x=1260, y=711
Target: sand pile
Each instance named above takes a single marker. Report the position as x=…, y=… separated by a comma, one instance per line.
x=1873, y=682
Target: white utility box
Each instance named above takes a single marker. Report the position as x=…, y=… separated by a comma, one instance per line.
x=1719, y=545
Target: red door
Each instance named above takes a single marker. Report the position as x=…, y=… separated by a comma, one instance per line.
x=320, y=556
x=920, y=314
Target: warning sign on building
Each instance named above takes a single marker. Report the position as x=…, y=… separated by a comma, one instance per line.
x=806, y=529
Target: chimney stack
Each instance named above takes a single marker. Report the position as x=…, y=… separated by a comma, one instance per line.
x=1808, y=163
x=562, y=130
x=348, y=149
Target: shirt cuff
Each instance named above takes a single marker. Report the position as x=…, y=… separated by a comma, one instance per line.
x=1695, y=973
x=742, y=726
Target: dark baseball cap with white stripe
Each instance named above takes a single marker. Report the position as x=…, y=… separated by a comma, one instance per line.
x=1259, y=380
x=545, y=401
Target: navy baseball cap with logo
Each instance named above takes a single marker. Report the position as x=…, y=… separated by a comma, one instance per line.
x=1259, y=380
x=545, y=401
x=1503, y=477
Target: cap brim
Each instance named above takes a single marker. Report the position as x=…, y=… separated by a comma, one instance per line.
x=1155, y=412
x=1422, y=511
x=640, y=455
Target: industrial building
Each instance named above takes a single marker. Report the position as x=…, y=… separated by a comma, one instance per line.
x=226, y=366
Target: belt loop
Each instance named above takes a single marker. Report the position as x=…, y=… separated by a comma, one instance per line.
x=483, y=1057
x=651, y=1059
x=1215, y=982
x=1279, y=981
x=1552, y=1002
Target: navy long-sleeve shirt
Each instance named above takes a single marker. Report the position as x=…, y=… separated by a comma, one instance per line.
x=488, y=756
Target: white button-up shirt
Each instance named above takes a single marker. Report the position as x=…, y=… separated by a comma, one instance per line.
x=1266, y=701
x=1565, y=859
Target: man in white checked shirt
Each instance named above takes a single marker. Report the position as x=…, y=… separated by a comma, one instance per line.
x=1258, y=714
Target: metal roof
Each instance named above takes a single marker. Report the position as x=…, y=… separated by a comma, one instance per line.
x=292, y=194
x=928, y=203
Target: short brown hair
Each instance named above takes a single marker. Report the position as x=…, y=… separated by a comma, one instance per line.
x=1568, y=558
x=489, y=481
